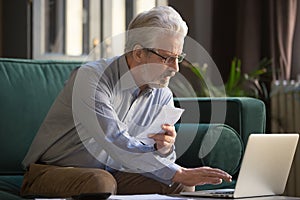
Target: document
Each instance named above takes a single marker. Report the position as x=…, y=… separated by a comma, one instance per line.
x=53, y=198
x=145, y=197
x=130, y=197
x=167, y=115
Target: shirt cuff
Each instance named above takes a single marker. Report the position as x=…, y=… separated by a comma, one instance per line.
x=164, y=155
x=164, y=175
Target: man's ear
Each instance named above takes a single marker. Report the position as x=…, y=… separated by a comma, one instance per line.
x=138, y=53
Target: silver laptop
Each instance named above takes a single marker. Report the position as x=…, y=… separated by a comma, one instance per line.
x=265, y=167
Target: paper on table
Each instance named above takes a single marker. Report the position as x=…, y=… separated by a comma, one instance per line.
x=144, y=197
x=130, y=197
x=53, y=199
x=167, y=115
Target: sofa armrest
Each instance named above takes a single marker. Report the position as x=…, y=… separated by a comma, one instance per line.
x=214, y=145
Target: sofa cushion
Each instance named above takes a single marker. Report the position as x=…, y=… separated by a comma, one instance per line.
x=10, y=186
x=9, y=196
x=214, y=145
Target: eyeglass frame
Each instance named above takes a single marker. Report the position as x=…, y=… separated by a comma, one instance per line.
x=166, y=59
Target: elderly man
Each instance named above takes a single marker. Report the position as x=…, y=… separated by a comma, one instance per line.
x=89, y=143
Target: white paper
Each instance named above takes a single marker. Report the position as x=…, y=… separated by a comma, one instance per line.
x=167, y=115
x=144, y=197
x=52, y=199
x=130, y=197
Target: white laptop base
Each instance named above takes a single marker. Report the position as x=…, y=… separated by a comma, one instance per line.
x=265, y=167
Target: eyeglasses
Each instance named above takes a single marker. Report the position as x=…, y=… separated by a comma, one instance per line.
x=168, y=59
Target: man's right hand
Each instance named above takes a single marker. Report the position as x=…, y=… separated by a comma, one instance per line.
x=200, y=176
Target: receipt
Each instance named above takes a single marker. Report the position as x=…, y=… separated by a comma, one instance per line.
x=167, y=115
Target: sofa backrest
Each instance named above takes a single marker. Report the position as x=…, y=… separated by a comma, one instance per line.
x=27, y=90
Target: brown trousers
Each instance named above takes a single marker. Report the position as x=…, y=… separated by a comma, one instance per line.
x=54, y=181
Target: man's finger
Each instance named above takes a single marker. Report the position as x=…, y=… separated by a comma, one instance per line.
x=170, y=130
x=214, y=172
x=162, y=137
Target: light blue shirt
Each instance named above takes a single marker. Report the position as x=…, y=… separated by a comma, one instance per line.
x=95, y=120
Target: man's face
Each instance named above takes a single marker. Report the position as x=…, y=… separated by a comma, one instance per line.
x=161, y=63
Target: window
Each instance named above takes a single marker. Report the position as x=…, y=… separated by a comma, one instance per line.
x=71, y=29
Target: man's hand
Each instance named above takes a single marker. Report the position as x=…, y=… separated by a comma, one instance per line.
x=201, y=176
x=164, y=141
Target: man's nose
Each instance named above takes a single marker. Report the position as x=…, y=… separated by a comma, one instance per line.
x=174, y=66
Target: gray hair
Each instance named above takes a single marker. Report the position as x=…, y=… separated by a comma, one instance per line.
x=147, y=26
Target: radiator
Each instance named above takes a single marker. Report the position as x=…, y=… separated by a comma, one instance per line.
x=285, y=118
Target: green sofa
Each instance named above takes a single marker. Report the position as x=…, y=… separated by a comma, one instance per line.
x=28, y=88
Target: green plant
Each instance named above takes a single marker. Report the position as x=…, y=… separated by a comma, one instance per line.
x=238, y=83
x=247, y=84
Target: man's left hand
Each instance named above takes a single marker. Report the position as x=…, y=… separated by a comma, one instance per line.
x=165, y=141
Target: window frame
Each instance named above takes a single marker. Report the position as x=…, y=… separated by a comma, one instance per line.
x=38, y=32
x=102, y=26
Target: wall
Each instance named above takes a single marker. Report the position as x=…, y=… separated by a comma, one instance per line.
x=198, y=15
x=16, y=22
x=212, y=23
